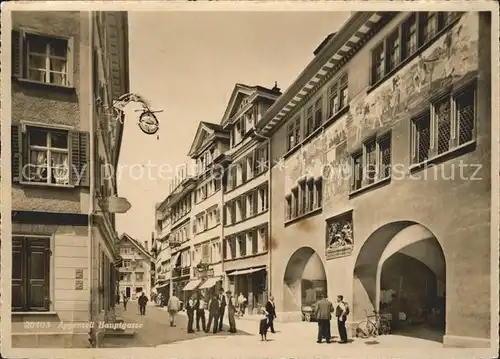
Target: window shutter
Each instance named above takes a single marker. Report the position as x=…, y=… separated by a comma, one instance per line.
x=71, y=67
x=16, y=139
x=75, y=157
x=194, y=226
x=80, y=158
x=84, y=158
x=38, y=273
x=17, y=53
x=18, y=272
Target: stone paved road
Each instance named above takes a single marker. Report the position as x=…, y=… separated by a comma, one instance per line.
x=156, y=329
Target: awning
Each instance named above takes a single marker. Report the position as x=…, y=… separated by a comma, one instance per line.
x=247, y=271
x=162, y=285
x=192, y=285
x=209, y=283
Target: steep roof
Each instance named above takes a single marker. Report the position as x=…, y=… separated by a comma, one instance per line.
x=139, y=246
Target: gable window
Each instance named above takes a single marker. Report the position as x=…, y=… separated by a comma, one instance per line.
x=338, y=95
x=42, y=58
x=30, y=273
x=449, y=122
x=406, y=39
x=288, y=208
x=318, y=113
x=304, y=199
x=309, y=120
x=372, y=163
x=42, y=155
x=393, y=51
x=410, y=38
x=378, y=63
x=293, y=134
x=428, y=26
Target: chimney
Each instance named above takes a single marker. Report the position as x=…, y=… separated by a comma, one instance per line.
x=146, y=245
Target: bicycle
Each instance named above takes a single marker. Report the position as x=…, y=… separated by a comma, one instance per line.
x=371, y=328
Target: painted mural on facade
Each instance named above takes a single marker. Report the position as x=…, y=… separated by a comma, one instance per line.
x=451, y=57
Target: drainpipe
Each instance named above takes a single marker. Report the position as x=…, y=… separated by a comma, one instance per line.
x=269, y=208
x=225, y=280
x=93, y=129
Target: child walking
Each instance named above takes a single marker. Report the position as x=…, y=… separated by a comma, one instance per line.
x=263, y=325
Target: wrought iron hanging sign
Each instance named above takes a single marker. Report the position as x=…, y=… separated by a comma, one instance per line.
x=148, y=123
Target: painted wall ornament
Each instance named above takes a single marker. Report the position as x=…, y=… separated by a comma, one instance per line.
x=451, y=57
x=339, y=236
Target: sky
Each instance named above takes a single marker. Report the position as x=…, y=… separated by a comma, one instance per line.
x=186, y=64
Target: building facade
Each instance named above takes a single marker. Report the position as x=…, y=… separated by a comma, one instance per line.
x=245, y=246
x=382, y=149
x=135, y=271
x=63, y=247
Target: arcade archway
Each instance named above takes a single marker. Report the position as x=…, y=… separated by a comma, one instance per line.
x=401, y=272
x=304, y=280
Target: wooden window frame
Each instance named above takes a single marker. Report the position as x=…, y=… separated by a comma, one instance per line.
x=78, y=154
x=20, y=56
x=293, y=133
x=367, y=181
x=443, y=20
x=454, y=141
x=298, y=201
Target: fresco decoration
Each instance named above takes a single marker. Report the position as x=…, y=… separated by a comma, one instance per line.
x=336, y=169
x=451, y=57
x=339, y=236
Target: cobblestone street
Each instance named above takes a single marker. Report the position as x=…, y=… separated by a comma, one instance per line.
x=156, y=329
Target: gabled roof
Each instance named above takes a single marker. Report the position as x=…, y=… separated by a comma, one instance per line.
x=241, y=91
x=204, y=129
x=139, y=246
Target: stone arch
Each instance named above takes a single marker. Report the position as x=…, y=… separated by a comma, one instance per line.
x=410, y=241
x=304, y=261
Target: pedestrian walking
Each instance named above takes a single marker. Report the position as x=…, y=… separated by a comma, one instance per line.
x=213, y=314
x=222, y=308
x=125, y=301
x=143, y=301
x=231, y=311
x=200, y=314
x=190, y=309
x=173, y=307
x=341, y=312
x=263, y=325
x=271, y=313
x=242, y=302
x=323, y=312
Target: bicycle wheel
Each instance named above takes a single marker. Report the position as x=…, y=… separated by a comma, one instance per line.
x=365, y=329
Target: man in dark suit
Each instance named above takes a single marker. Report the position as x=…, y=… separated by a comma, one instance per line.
x=222, y=307
x=213, y=313
x=190, y=310
x=271, y=313
x=323, y=311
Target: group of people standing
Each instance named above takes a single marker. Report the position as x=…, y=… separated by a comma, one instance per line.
x=324, y=310
x=197, y=306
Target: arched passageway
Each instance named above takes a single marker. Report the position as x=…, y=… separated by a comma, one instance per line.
x=401, y=272
x=304, y=280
